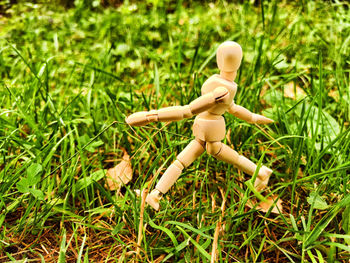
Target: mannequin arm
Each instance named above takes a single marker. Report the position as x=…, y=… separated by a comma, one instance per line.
x=203, y=103
x=244, y=114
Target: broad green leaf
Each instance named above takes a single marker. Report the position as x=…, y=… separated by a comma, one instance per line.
x=84, y=140
x=33, y=179
x=92, y=146
x=317, y=201
x=34, y=169
x=85, y=182
x=38, y=194
x=23, y=185
x=33, y=174
x=329, y=129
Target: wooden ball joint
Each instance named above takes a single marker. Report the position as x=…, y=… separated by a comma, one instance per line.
x=209, y=128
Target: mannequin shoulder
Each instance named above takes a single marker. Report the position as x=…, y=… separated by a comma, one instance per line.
x=216, y=81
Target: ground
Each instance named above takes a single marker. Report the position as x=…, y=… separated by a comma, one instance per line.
x=69, y=76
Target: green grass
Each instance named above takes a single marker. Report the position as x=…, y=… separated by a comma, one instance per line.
x=68, y=79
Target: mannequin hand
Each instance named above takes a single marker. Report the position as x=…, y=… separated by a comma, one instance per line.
x=222, y=95
x=141, y=118
x=259, y=119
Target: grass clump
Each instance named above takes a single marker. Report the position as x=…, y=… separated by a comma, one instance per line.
x=70, y=76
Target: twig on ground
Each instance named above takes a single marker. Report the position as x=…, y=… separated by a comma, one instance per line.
x=140, y=235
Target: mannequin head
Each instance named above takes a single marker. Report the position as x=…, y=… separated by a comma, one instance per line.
x=229, y=56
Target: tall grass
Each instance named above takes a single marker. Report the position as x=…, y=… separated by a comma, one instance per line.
x=70, y=76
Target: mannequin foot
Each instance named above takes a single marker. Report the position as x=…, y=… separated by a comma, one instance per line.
x=153, y=199
x=262, y=179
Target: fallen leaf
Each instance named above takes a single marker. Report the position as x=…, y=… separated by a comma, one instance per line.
x=334, y=94
x=121, y=174
x=263, y=90
x=293, y=91
x=265, y=206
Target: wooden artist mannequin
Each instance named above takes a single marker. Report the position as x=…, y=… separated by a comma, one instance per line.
x=209, y=128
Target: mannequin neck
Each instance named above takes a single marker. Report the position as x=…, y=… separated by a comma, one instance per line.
x=228, y=75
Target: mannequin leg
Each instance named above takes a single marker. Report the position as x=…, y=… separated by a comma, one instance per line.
x=225, y=153
x=192, y=151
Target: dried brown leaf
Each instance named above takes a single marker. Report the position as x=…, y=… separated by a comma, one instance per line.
x=334, y=94
x=293, y=91
x=264, y=90
x=120, y=174
x=265, y=206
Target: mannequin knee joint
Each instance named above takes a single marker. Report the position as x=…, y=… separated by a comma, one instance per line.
x=213, y=148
